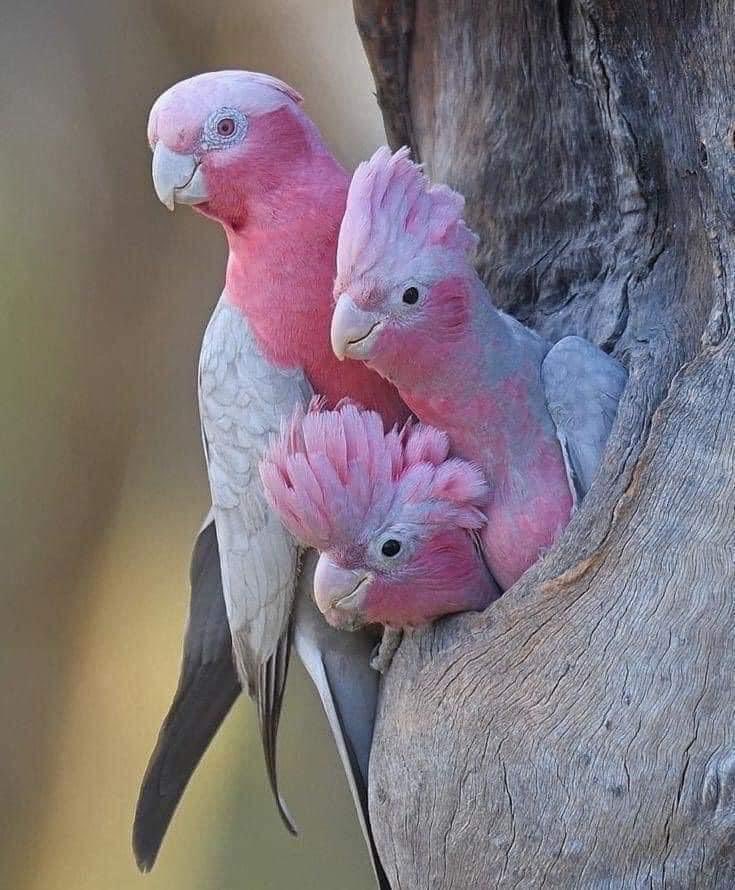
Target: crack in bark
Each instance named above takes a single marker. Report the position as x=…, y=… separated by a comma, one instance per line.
x=563, y=14
x=512, y=821
x=676, y=802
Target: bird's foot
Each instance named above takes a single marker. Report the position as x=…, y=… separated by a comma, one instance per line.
x=384, y=651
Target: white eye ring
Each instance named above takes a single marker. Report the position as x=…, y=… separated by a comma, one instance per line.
x=218, y=136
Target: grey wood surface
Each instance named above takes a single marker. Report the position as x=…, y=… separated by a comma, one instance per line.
x=581, y=732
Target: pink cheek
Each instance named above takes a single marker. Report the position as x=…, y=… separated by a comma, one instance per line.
x=375, y=601
x=220, y=163
x=224, y=202
x=227, y=173
x=393, y=601
x=215, y=176
x=389, y=343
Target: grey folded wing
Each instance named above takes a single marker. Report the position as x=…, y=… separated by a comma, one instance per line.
x=583, y=386
x=339, y=666
x=208, y=686
x=243, y=399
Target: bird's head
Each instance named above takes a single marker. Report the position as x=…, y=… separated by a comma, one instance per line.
x=222, y=140
x=403, y=267
x=392, y=515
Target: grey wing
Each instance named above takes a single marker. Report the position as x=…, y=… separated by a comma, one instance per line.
x=242, y=399
x=583, y=386
x=339, y=666
x=208, y=686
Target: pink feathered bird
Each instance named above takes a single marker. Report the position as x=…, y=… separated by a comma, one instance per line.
x=394, y=518
x=237, y=146
x=535, y=417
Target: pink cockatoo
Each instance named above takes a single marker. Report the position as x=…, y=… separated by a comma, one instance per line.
x=394, y=518
x=238, y=148
x=535, y=417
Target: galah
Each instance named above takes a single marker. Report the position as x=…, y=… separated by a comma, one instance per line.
x=394, y=517
x=237, y=147
x=533, y=415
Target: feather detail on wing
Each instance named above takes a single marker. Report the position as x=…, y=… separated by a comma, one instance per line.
x=269, y=697
x=242, y=399
x=583, y=386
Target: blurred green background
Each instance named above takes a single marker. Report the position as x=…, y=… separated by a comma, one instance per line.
x=104, y=300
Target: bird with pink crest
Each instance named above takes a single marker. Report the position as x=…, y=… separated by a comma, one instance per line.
x=535, y=416
x=394, y=517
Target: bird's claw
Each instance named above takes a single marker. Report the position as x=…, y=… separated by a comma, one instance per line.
x=383, y=653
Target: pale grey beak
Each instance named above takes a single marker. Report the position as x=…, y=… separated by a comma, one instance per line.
x=177, y=178
x=339, y=592
x=353, y=329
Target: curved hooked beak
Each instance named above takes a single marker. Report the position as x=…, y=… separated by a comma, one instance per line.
x=353, y=330
x=177, y=178
x=340, y=593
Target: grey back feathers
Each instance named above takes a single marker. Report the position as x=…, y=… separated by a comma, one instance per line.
x=583, y=386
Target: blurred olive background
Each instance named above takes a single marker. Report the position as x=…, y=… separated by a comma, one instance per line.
x=104, y=300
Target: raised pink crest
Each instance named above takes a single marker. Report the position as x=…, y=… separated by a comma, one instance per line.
x=393, y=212
x=336, y=476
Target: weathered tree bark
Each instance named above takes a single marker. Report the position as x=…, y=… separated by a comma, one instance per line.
x=581, y=732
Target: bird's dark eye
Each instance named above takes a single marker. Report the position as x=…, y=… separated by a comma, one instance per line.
x=225, y=127
x=391, y=547
x=410, y=296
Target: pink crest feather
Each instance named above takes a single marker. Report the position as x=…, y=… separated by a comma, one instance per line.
x=334, y=475
x=393, y=210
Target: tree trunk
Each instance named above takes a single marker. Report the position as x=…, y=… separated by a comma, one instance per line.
x=581, y=731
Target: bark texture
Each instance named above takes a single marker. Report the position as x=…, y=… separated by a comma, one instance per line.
x=581, y=732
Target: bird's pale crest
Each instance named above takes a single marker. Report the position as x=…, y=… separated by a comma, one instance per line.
x=393, y=210
x=334, y=476
x=184, y=103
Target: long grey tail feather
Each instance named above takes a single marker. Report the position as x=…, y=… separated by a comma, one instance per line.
x=360, y=792
x=207, y=689
x=269, y=699
x=339, y=666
